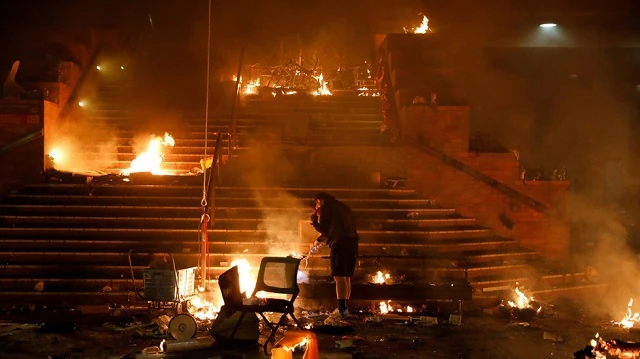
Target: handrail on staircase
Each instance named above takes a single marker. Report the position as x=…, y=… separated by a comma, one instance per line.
x=73, y=96
x=212, y=174
x=21, y=141
x=461, y=166
x=234, y=121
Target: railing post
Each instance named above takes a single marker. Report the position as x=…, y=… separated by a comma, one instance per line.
x=235, y=99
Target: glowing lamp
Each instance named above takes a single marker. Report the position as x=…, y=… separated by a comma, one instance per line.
x=82, y=103
x=122, y=67
x=98, y=68
x=548, y=25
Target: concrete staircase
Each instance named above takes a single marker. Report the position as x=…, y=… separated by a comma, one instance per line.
x=75, y=238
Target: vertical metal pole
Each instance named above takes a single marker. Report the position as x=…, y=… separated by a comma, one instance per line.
x=203, y=249
x=235, y=99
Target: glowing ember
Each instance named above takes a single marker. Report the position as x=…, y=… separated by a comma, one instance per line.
x=202, y=309
x=247, y=276
x=630, y=318
x=151, y=159
x=381, y=278
x=409, y=309
x=322, y=87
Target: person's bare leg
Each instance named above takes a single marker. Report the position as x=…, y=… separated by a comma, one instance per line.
x=343, y=287
x=348, y=283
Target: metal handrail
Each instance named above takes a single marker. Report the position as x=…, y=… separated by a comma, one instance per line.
x=493, y=183
x=212, y=172
x=234, y=121
x=22, y=141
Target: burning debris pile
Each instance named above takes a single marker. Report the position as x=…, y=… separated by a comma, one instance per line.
x=521, y=307
x=309, y=82
x=600, y=348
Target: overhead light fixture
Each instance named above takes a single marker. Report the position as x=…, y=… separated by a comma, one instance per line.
x=122, y=67
x=548, y=25
x=81, y=103
x=98, y=68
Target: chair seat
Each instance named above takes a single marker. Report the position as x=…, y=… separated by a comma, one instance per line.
x=271, y=305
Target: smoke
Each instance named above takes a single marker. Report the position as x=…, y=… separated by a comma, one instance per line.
x=281, y=224
x=601, y=246
x=78, y=145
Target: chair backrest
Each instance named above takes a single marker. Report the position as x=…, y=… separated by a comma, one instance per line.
x=278, y=275
x=229, y=283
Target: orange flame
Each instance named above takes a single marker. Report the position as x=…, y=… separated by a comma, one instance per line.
x=424, y=26
x=385, y=307
x=630, y=318
x=202, y=309
x=151, y=159
x=322, y=87
x=381, y=278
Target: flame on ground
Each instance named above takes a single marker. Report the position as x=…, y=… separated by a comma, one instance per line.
x=202, y=309
x=385, y=307
x=381, y=278
x=322, y=87
x=151, y=159
x=521, y=300
x=630, y=318
x=252, y=87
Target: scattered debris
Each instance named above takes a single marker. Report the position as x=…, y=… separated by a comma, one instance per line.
x=345, y=343
x=552, y=336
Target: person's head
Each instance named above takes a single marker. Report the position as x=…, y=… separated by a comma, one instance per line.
x=321, y=198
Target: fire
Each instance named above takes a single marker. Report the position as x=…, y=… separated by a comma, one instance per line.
x=424, y=26
x=385, y=307
x=249, y=89
x=202, y=309
x=247, y=276
x=630, y=318
x=521, y=300
x=294, y=340
x=381, y=278
x=322, y=87
x=151, y=159
x=252, y=87
x=409, y=309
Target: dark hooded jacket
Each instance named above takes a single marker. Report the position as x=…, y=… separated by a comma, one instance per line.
x=334, y=221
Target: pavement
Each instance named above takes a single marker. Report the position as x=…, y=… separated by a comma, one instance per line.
x=561, y=329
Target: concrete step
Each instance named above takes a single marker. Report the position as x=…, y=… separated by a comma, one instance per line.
x=433, y=251
x=364, y=215
x=194, y=199
x=293, y=194
x=182, y=231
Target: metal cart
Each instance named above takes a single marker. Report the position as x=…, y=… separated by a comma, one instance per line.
x=165, y=288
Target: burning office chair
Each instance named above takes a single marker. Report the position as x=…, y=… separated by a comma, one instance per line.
x=277, y=275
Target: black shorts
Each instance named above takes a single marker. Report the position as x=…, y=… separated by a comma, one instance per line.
x=343, y=257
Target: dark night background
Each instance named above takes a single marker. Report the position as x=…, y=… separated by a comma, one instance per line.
x=570, y=98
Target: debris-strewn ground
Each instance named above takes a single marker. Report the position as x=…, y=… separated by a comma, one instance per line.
x=557, y=333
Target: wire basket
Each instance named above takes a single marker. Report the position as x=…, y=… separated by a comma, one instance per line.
x=159, y=285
